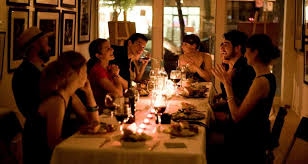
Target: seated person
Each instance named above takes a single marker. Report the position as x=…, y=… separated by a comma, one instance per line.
x=249, y=136
x=137, y=67
x=59, y=81
x=104, y=78
x=232, y=51
x=124, y=57
x=199, y=64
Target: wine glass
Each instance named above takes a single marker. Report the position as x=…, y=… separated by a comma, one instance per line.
x=121, y=113
x=175, y=76
x=159, y=103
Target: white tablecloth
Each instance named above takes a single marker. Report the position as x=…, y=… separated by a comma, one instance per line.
x=84, y=149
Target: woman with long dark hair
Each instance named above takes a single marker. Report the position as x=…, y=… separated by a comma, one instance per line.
x=249, y=136
x=104, y=78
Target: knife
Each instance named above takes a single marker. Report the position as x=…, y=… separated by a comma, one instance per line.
x=154, y=146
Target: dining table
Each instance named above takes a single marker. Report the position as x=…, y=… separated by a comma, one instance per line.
x=162, y=148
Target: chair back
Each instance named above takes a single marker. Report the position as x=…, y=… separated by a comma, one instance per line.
x=297, y=152
x=278, y=124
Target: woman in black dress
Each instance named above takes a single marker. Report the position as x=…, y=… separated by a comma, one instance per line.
x=249, y=136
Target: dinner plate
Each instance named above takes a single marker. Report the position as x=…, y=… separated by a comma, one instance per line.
x=195, y=115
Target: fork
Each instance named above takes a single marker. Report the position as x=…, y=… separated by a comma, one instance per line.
x=154, y=146
x=103, y=143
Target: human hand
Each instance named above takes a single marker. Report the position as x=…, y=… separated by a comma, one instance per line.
x=222, y=75
x=114, y=69
x=87, y=87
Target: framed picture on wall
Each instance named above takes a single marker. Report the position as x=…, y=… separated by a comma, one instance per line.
x=2, y=47
x=68, y=31
x=18, y=22
x=18, y=2
x=46, y=2
x=48, y=20
x=84, y=21
x=305, y=39
x=68, y=3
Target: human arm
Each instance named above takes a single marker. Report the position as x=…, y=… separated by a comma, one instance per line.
x=81, y=108
x=140, y=69
x=53, y=110
x=258, y=90
x=205, y=72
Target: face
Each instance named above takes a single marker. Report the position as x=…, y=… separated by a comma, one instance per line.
x=137, y=47
x=44, y=49
x=106, y=52
x=226, y=51
x=83, y=75
x=250, y=55
x=186, y=47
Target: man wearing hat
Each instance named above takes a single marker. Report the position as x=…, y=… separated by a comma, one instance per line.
x=33, y=46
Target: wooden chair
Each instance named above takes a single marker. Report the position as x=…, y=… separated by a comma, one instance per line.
x=275, y=134
x=297, y=152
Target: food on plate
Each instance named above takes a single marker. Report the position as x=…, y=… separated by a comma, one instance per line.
x=186, y=105
x=142, y=88
x=97, y=128
x=143, y=92
x=193, y=91
x=90, y=128
x=183, y=129
x=188, y=113
x=130, y=136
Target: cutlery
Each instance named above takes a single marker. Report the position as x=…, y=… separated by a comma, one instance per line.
x=198, y=123
x=154, y=146
x=103, y=143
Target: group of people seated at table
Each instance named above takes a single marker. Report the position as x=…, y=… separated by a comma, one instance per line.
x=48, y=96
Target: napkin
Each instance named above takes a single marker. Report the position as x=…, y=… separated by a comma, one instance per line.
x=175, y=145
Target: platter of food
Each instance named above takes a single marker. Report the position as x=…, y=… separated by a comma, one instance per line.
x=97, y=128
x=142, y=88
x=182, y=129
x=187, y=112
x=193, y=91
x=133, y=140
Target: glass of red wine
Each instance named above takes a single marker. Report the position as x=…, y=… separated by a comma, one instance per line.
x=175, y=76
x=121, y=112
x=159, y=103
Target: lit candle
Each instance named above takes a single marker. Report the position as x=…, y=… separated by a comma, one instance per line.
x=152, y=111
x=146, y=121
x=149, y=116
x=139, y=131
x=142, y=126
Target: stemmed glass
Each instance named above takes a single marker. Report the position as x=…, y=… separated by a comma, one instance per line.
x=159, y=103
x=121, y=112
x=175, y=76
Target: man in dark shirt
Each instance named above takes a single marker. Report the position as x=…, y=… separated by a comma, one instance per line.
x=133, y=47
x=232, y=50
x=25, y=82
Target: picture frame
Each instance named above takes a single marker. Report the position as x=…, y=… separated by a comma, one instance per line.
x=18, y=2
x=84, y=21
x=68, y=3
x=68, y=31
x=48, y=20
x=18, y=22
x=2, y=48
x=46, y=2
x=305, y=39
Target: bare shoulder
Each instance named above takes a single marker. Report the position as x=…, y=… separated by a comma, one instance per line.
x=51, y=104
x=261, y=85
